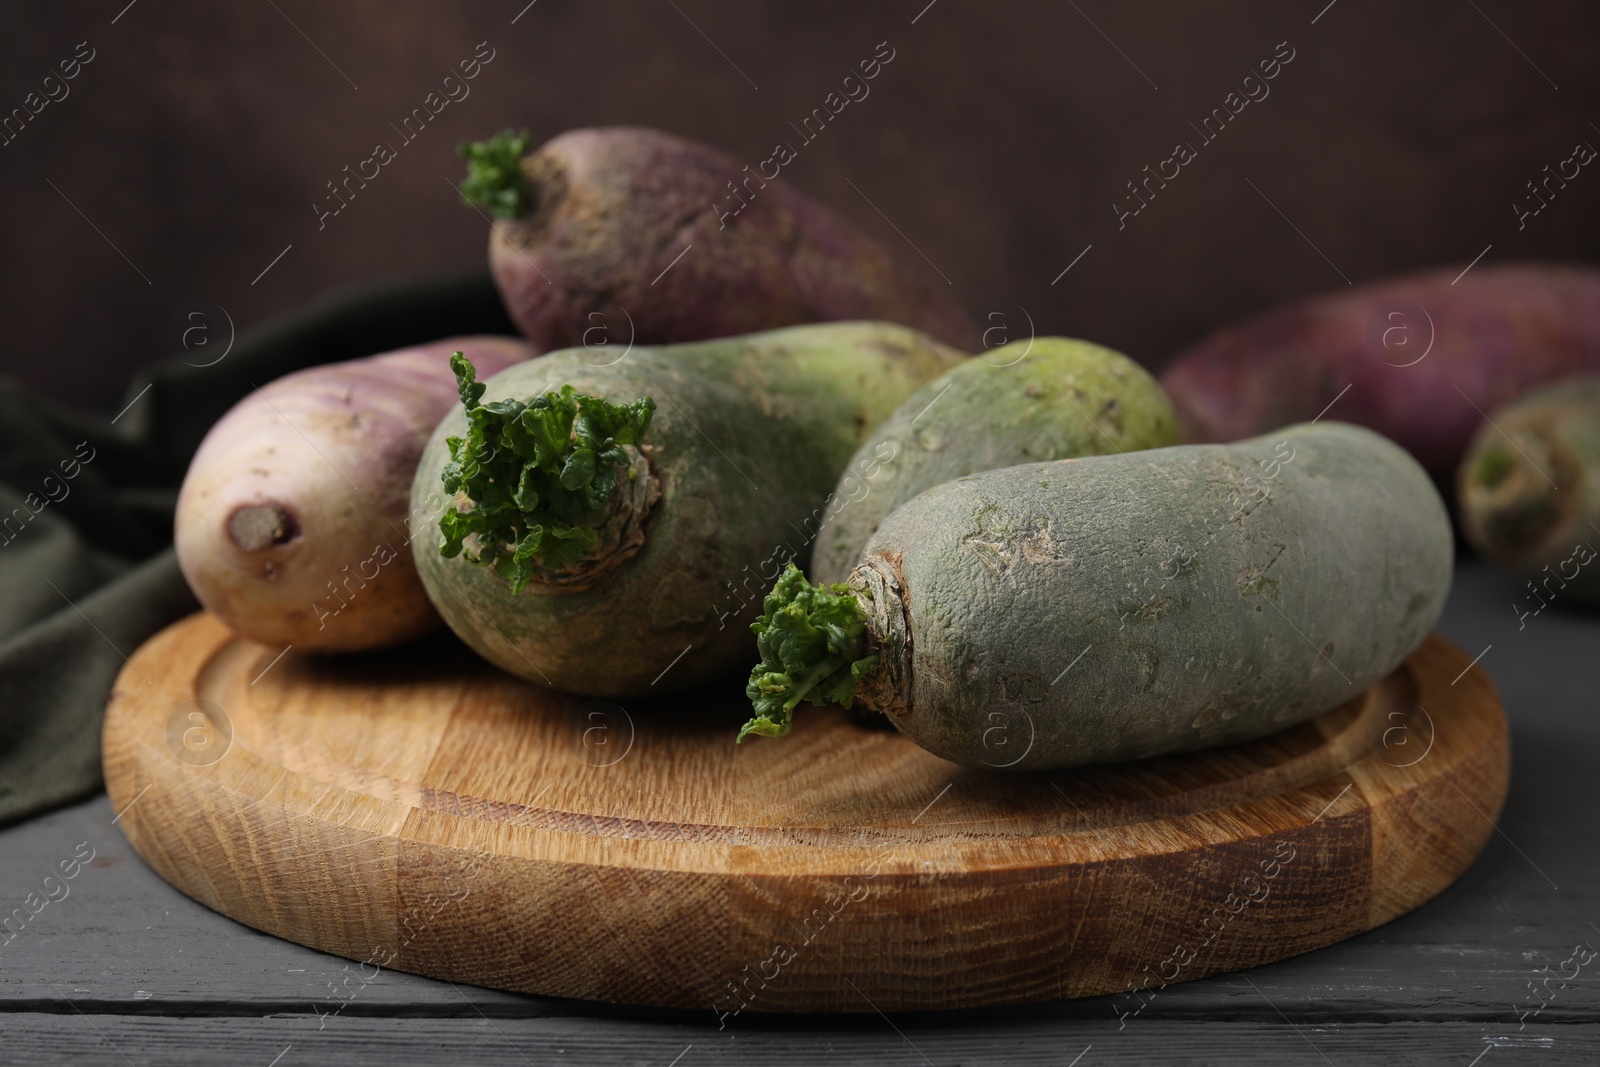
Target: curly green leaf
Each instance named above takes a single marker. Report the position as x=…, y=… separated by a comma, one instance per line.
x=812, y=641
x=538, y=475
x=495, y=179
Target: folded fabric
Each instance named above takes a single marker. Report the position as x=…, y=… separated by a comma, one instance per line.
x=87, y=571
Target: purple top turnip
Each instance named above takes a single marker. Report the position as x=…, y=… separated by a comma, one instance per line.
x=626, y=234
x=1423, y=357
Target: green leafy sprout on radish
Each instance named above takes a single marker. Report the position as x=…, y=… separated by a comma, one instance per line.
x=495, y=179
x=538, y=475
x=813, y=646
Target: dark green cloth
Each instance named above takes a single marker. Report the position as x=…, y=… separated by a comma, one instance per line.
x=86, y=566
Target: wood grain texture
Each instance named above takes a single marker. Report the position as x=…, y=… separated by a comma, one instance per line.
x=424, y=812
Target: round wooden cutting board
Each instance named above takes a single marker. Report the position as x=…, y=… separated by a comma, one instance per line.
x=418, y=809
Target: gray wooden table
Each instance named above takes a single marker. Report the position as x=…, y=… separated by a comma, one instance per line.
x=124, y=969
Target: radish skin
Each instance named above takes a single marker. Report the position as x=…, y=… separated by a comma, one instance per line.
x=1116, y=607
x=635, y=235
x=1062, y=398
x=748, y=437
x=1418, y=358
x=1528, y=493
x=292, y=522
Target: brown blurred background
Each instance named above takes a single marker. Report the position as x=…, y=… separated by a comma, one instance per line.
x=199, y=135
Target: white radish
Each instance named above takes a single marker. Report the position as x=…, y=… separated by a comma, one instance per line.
x=292, y=523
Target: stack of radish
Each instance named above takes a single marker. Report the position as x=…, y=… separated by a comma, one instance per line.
x=997, y=537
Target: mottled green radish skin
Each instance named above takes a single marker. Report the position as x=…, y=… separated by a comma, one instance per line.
x=1053, y=398
x=1211, y=613
x=1528, y=490
x=748, y=436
